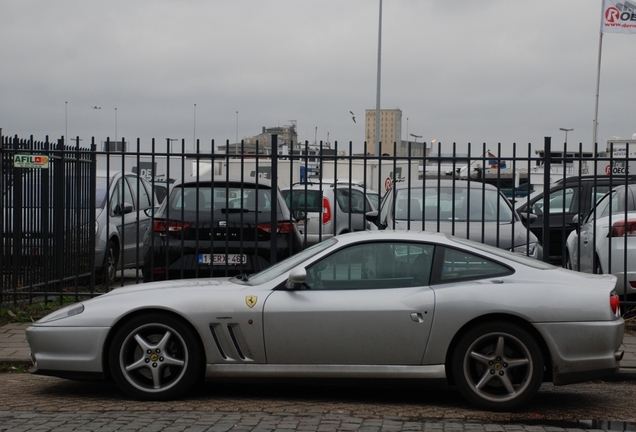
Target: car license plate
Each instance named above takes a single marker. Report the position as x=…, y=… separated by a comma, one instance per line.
x=220, y=259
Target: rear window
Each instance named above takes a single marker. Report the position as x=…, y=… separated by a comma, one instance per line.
x=191, y=198
x=308, y=201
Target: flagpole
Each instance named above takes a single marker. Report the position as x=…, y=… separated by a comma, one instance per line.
x=598, y=84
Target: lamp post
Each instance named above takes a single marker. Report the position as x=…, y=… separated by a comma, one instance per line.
x=170, y=141
x=566, y=130
x=377, y=96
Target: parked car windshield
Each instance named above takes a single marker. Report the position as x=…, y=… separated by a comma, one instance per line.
x=447, y=203
x=219, y=198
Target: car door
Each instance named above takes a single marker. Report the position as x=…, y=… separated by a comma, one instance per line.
x=369, y=304
x=564, y=203
x=594, y=229
x=142, y=200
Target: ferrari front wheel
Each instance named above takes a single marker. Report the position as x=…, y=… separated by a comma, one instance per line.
x=498, y=366
x=155, y=357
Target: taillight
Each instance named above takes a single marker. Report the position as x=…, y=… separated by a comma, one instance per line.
x=326, y=210
x=624, y=228
x=169, y=226
x=281, y=227
x=615, y=304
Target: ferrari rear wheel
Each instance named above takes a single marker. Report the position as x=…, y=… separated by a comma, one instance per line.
x=155, y=357
x=498, y=366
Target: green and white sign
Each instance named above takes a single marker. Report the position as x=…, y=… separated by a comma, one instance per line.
x=31, y=161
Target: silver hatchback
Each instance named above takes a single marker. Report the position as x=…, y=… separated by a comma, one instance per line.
x=121, y=220
x=331, y=208
x=469, y=209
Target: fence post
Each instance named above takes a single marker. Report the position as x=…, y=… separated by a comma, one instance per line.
x=274, y=192
x=547, y=161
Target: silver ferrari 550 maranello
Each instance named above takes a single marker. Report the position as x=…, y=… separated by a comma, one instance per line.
x=374, y=304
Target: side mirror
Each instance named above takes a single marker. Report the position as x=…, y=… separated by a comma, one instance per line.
x=373, y=217
x=576, y=222
x=123, y=209
x=296, y=278
x=528, y=217
x=299, y=215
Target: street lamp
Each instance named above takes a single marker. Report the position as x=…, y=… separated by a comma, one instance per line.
x=416, y=136
x=566, y=130
x=377, y=95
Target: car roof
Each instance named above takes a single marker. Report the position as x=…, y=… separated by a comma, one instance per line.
x=248, y=181
x=444, y=183
x=318, y=185
x=589, y=178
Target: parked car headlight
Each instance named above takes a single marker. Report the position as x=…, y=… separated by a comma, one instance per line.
x=65, y=312
x=529, y=249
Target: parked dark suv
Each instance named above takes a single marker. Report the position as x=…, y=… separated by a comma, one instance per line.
x=209, y=226
x=568, y=197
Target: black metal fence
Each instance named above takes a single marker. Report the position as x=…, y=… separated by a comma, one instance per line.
x=50, y=232
x=47, y=218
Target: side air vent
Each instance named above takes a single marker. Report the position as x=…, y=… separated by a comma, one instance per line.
x=236, y=343
x=218, y=342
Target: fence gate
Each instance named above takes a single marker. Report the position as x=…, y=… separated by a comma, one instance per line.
x=47, y=217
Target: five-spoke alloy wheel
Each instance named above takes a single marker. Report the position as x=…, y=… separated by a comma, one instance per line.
x=155, y=357
x=498, y=366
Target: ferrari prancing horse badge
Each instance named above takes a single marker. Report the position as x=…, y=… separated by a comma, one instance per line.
x=251, y=301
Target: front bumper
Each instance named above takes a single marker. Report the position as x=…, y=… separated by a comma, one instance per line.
x=67, y=351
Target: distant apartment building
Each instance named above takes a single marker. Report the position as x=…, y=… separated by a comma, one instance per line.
x=390, y=130
x=261, y=143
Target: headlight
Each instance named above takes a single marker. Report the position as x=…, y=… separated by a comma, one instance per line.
x=529, y=249
x=65, y=312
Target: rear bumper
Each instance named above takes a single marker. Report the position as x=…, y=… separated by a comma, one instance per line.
x=583, y=351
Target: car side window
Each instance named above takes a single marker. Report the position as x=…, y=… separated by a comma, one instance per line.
x=373, y=266
x=117, y=198
x=140, y=189
x=564, y=200
x=457, y=266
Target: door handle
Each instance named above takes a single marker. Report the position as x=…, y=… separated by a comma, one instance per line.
x=417, y=317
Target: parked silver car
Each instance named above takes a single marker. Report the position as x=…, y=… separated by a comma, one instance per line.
x=331, y=208
x=122, y=202
x=605, y=240
x=468, y=209
x=375, y=304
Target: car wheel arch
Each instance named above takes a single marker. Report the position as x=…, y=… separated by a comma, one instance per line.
x=505, y=318
x=136, y=314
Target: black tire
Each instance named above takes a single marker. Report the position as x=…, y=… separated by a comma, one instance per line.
x=498, y=366
x=155, y=357
x=108, y=271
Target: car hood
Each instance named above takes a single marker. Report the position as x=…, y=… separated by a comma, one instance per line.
x=504, y=236
x=207, y=283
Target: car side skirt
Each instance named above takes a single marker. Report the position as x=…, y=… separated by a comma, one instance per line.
x=324, y=371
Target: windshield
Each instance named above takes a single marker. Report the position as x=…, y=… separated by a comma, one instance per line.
x=287, y=264
x=220, y=198
x=452, y=203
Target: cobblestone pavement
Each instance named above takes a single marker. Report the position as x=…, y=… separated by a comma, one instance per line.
x=37, y=403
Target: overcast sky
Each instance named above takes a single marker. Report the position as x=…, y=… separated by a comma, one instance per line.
x=487, y=71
